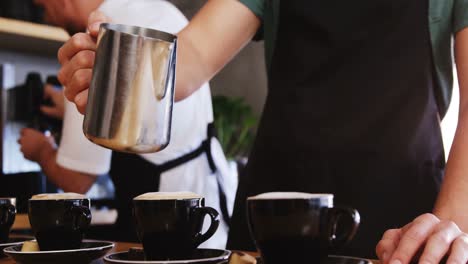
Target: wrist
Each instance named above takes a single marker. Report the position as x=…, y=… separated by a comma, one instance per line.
x=452, y=212
x=46, y=152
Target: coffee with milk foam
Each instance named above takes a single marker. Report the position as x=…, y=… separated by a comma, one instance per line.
x=58, y=196
x=168, y=196
x=290, y=195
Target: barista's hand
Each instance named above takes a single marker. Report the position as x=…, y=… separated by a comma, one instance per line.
x=35, y=144
x=77, y=59
x=427, y=237
x=56, y=96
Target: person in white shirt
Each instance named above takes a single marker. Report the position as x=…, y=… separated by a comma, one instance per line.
x=193, y=161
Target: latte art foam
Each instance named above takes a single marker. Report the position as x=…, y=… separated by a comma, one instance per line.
x=58, y=196
x=168, y=196
x=290, y=195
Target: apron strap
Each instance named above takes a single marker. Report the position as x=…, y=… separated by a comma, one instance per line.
x=222, y=193
x=205, y=147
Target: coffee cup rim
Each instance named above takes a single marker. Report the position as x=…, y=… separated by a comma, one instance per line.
x=59, y=199
x=268, y=196
x=168, y=196
x=172, y=199
x=66, y=196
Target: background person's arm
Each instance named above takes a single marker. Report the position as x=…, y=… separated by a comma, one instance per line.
x=65, y=179
x=213, y=37
x=39, y=148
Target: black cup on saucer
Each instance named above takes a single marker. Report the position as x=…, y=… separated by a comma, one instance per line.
x=59, y=220
x=169, y=225
x=299, y=227
x=7, y=217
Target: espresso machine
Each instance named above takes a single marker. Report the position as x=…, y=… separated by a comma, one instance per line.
x=20, y=108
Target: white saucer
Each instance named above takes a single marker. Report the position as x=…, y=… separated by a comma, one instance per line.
x=200, y=256
x=13, y=241
x=89, y=251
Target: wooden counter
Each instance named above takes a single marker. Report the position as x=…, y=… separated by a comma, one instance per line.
x=122, y=246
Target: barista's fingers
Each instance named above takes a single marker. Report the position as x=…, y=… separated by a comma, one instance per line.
x=415, y=237
x=384, y=250
x=77, y=43
x=439, y=243
x=459, y=250
x=82, y=61
x=81, y=100
x=388, y=244
x=406, y=227
x=79, y=82
x=95, y=19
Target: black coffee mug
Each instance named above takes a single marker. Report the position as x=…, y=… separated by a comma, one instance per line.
x=59, y=224
x=298, y=227
x=171, y=229
x=7, y=217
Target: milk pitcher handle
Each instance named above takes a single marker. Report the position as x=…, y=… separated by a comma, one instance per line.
x=171, y=72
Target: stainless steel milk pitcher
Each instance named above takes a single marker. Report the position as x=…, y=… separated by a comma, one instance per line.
x=132, y=89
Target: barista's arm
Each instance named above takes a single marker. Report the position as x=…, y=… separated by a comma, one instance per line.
x=213, y=37
x=452, y=202
x=39, y=148
x=441, y=233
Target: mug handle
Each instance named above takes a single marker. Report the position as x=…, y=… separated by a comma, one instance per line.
x=81, y=217
x=335, y=216
x=9, y=217
x=214, y=215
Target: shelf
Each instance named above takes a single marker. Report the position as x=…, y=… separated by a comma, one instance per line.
x=29, y=37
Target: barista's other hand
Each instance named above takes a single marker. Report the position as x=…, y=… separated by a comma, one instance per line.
x=77, y=59
x=427, y=238
x=56, y=96
x=35, y=144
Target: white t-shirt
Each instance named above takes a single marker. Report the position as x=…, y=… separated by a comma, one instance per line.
x=189, y=125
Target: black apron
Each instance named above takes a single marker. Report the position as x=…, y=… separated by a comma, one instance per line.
x=350, y=111
x=132, y=175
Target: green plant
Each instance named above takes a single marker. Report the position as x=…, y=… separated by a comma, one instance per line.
x=235, y=125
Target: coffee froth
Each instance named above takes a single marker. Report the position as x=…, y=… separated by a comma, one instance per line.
x=168, y=196
x=58, y=196
x=290, y=195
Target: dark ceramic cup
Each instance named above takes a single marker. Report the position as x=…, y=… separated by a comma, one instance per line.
x=298, y=227
x=7, y=217
x=169, y=225
x=59, y=221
